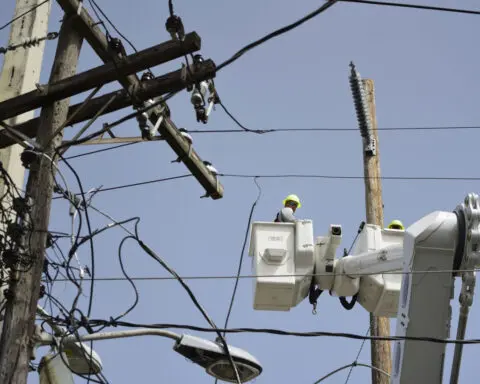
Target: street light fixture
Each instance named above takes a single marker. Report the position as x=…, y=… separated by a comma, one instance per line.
x=208, y=354
x=211, y=356
x=81, y=359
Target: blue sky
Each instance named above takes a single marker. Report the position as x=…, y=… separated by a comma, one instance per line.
x=426, y=74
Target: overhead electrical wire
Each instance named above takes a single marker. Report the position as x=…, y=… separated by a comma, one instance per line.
x=118, y=187
x=242, y=252
x=103, y=150
x=414, y=6
x=280, y=332
x=313, y=176
x=90, y=232
x=115, y=188
x=280, y=130
x=135, y=236
x=94, y=5
x=276, y=33
x=355, y=364
x=23, y=14
x=243, y=128
x=72, y=252
x=192, y=297
x=225, y=131
x=334, y=130
x=230, y=277
x=288, y=176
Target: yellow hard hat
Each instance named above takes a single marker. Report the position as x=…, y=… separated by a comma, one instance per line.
x=293, y=198
x=396, y=224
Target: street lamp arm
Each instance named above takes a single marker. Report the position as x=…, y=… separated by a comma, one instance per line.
x=48, y=339
x=208, y=354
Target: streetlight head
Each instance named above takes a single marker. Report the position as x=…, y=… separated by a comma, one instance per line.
x=211, y=356
x=82, y=359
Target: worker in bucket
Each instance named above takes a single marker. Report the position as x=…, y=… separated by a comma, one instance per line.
x=286, y=214
x=396, y=224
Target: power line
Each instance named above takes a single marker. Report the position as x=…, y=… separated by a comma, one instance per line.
x=323, y=8
x=230, y=277
x=312, y=176
x=243, y=128
x=23, y=14
x=287, y=176
x=242, y=252
x=143, y=183
x=414, y=6
x=280, y=332
x=117, y=187
x=276, y=33
x=280, y=130
x=354, y=364
x=135, y=236
x=94, y=5
x=102, y=150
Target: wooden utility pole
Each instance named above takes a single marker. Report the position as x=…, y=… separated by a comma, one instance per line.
x=20, y=72
x=15, y=344
x=379, y=326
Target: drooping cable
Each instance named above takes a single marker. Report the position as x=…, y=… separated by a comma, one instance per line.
x=276, y=33
x=242, y=252
x=351, y=366
x=358, y=356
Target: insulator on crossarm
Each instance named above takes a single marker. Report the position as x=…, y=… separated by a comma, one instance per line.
x=211, y=168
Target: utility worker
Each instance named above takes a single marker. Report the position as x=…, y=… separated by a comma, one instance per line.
x=396, y=224
x=286, y=214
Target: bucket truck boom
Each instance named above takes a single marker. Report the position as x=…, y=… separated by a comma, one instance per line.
x=404, y=274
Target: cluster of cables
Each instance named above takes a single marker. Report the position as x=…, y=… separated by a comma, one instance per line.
x=15, y=228
x=65, y=264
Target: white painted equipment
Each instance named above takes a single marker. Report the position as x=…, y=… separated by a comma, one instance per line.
x=283, y=257
x=404, y=274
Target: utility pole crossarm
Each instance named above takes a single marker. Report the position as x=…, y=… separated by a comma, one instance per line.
x=160, y=85
x=98, y=41
x=100, y=75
